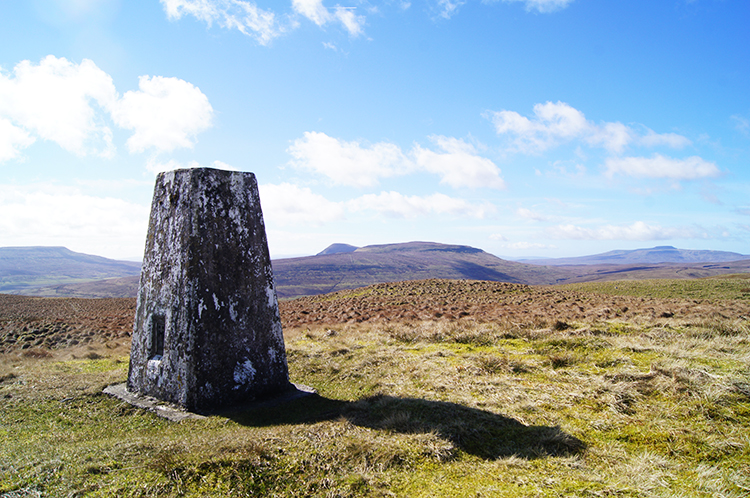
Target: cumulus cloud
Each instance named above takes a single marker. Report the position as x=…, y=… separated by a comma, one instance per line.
x=458, y=164
x=62, y=216
x=636, y=231
x=165, y=114
x=352, y=163
x=69, y=104
x=659, y=166
x=554, y=123
x=397, y=205
x=58, y=100
x=288, y=204
x=348, y=163
x=12, y=140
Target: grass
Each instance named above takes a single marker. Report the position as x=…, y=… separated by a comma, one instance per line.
x=736, y=286
x=421, y=408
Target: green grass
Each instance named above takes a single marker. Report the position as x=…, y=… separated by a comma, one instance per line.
x=723, y=287
x=413, y=409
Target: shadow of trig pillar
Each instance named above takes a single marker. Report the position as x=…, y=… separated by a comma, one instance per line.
x=207, y=331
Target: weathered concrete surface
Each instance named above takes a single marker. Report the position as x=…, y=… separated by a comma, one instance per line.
x=207, y=332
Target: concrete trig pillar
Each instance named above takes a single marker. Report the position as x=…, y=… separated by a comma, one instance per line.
x=207, y=331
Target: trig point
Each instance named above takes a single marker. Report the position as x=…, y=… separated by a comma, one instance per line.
x=207, y=331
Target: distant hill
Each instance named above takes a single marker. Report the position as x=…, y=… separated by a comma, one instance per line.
x=23, y=268
x=396, y=262
x=62, y=273
x=337, y=249
x=654, y=255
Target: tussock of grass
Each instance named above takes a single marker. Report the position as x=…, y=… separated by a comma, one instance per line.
x=657, y=407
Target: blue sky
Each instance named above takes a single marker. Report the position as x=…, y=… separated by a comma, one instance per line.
x=527, y=128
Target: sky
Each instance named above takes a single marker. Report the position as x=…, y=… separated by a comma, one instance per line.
x=526, y=128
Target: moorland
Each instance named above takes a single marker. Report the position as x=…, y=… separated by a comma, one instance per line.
x=424, y=388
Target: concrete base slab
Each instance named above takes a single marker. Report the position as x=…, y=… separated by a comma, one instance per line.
x=178, y=414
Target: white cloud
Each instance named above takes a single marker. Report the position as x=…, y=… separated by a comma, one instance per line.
x=259, y=24
x=288, y=204
x=673, y=140
x=397, y=205
x=660, y=166
x=315, y=11
x=244, y=16
x=166, y=113
x=354, y=164
x=12, y=140
x=556, y=123
x=458, y=164
x=552, y=123
x=69, y=104
x=62, y=216
x=447, y=8
x=543, y=6
x=352, y=22
x=55, y=100
x=348, y=163
x=636, y=231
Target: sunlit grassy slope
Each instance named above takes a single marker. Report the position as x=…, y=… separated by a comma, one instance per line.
x=735, y=286
x=417, y=408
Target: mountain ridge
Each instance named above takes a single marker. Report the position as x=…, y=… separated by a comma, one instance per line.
x=652, y=255
x=342, y=267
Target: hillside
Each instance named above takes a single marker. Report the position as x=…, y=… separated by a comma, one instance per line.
x=342, y=267
x=22, y=268
x=654, y=255
x=397, y=262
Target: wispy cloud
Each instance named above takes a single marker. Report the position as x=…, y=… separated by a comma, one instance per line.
x=543, y=6
x=69, y=104
x=243, y=16
x=265, y=25
x=455, y=161
x=636, y=231
x=741, y=124
x=659, y=166
x=315, y=11
x=448, y=8
x=289, y=204
x=528, y=214
x=554, y=123
x=397, y=205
